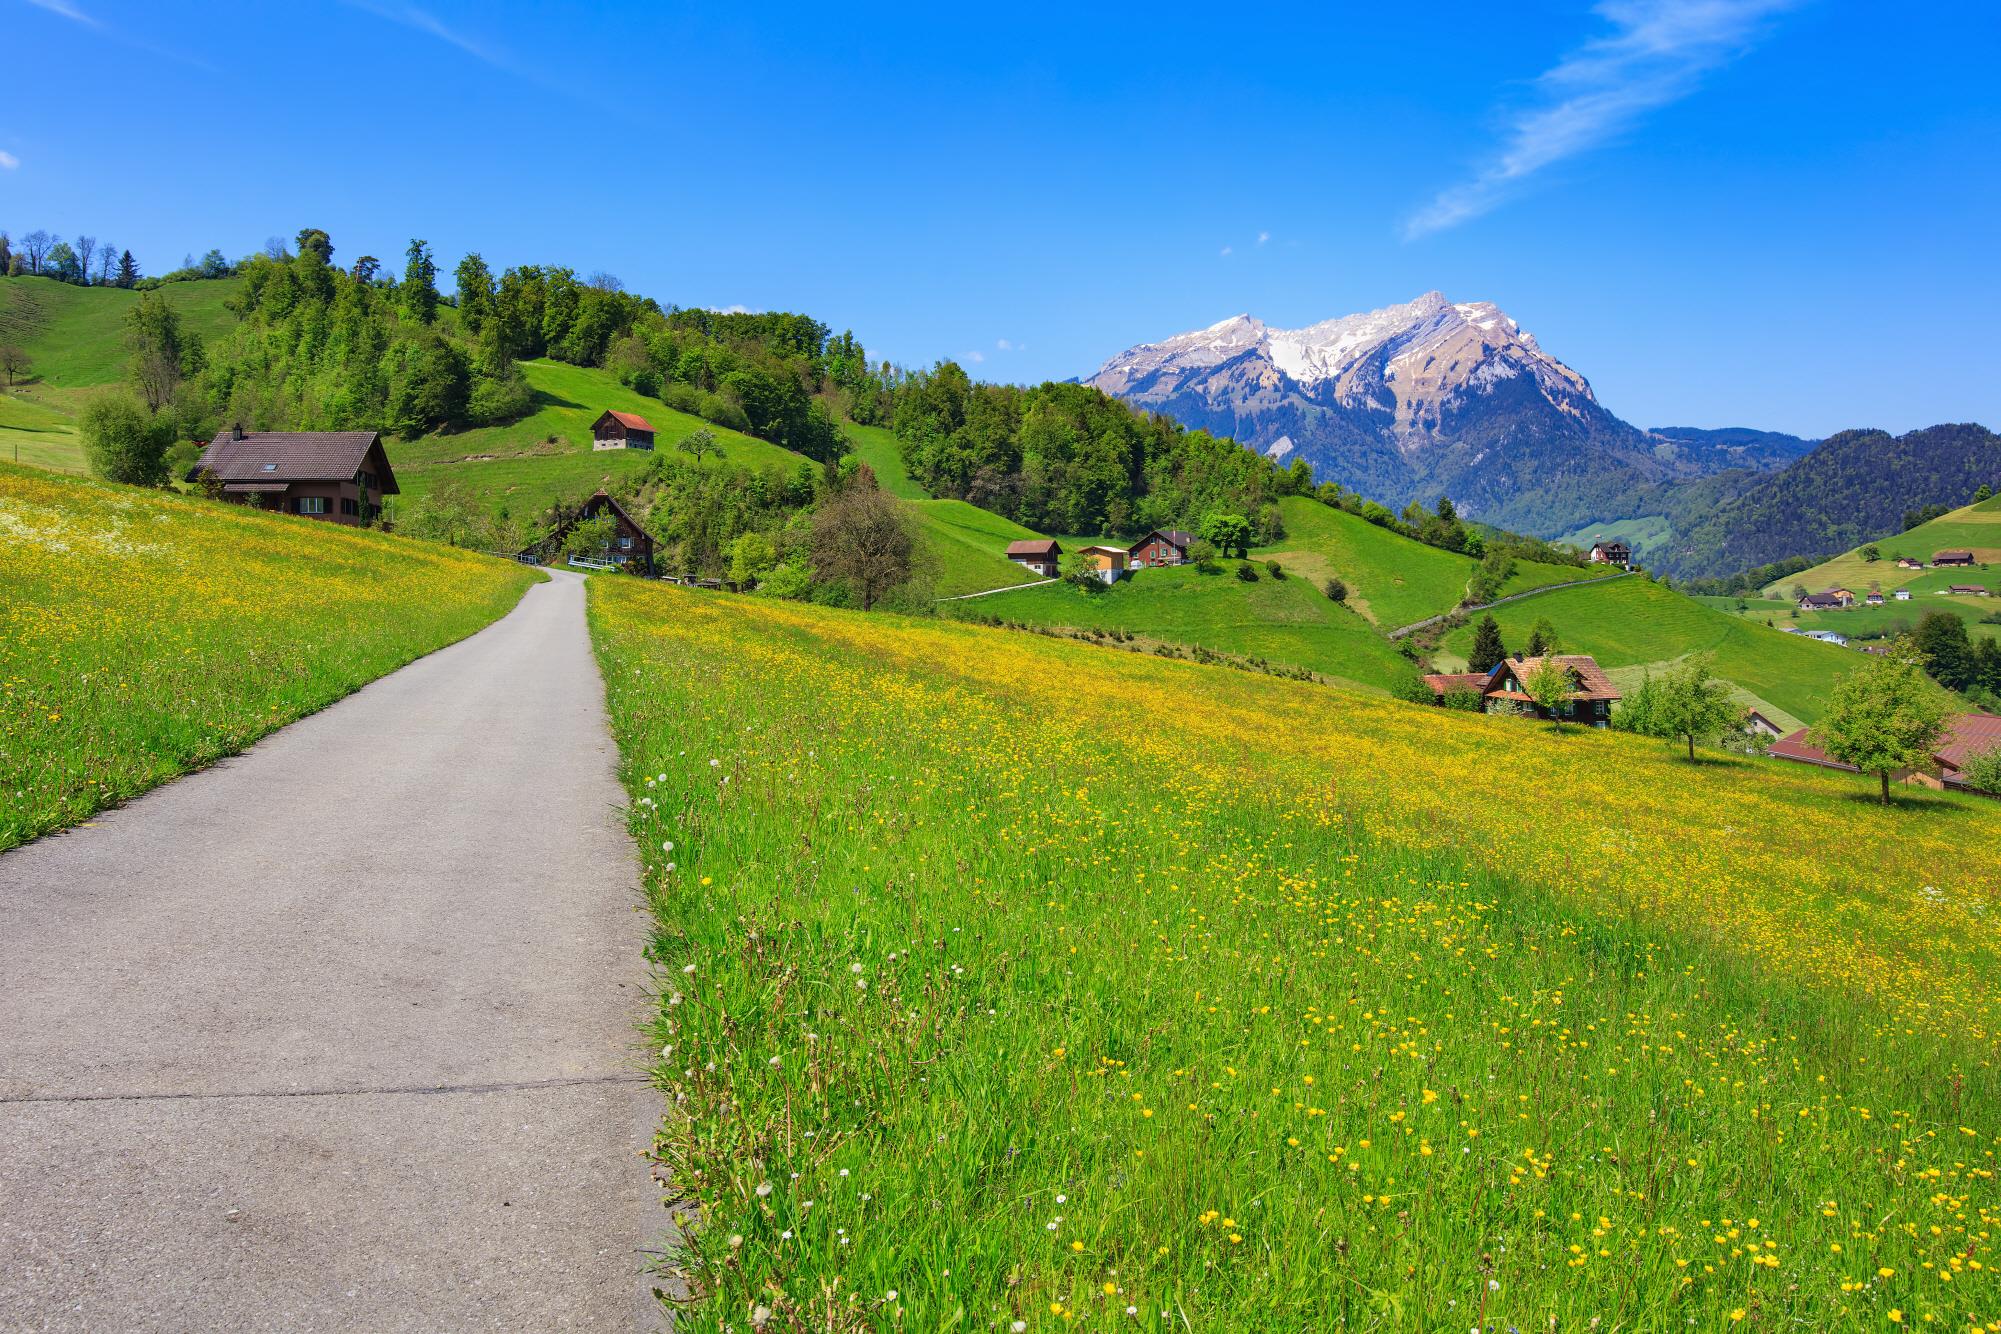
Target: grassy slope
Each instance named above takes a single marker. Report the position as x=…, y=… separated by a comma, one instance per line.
x=1062, y=981
x=1977, y=527
x=962, y=542
x=518, y=467
x=1644, y=535
x=76, y=338
x=1281, y=620
x=1633, y=622
x=144, y=634
x=1392, y=580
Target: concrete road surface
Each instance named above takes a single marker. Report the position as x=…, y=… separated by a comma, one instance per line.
x=340, y=1034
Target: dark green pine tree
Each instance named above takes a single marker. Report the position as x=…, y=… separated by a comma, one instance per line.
x=420, y=283
x=128, y=270
x=1488, y=651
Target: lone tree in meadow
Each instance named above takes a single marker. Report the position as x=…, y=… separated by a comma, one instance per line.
x=1685, y=704
x=1229, y=533
x=14, y=361
x=860, y=536
x=123, y=441
x=1488, y=650
x=1884, y=717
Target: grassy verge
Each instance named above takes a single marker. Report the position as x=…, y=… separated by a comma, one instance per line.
x=144, y=634
x=1020, y=985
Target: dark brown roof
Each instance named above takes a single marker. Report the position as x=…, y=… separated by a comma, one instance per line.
x=1967, y=588
x=1938, y=556
x=1172, y=536
x=1040, y=546
x=631, y=421
x=294, y=456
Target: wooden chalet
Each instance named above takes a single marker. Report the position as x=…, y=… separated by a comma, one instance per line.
x=340, y=476
x=1612, y=552
x=1833, y=600
x=630, y=545
x=1966, y=735
x=1039, y=554
x=1952, y=558
x=1589, y=702
x=1106, y=562
x=1968, y=590
x=1874, y=599
x=1757, y=724
x=621, y=430
x=1909, y=563
x=1162, y=546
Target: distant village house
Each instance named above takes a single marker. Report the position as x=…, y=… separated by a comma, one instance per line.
x=1039, y=554
x=336, y=475
x=1902, y=595
x=1610, y=553
x=1107, y=563
x=1757, y=724
x=621, y=430
x=1162, y=546
x=1832, y=600
x=1969, y=590
x=1909, y=563
x=1952, y=558
x=1589, y=702
x=1874, y=599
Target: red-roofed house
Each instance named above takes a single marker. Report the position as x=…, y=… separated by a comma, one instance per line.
x=621, y=430
x=1590, y=701
x=1966, y=735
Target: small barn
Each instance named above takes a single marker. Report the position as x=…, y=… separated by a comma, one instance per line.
x=621, y=430
x=1952, y=558
x=1162, y=546
x=1039, y=554
x=1107, y=563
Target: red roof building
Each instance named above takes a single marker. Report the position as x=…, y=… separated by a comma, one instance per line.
x=1966, y=735
x=1589, y=702
x=621, y=430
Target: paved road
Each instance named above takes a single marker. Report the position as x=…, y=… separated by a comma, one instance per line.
x=340, y=1034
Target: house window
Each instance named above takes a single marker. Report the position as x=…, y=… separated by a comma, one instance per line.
x=349, y=506
x=312, y=504
x=270, y=467
x=624, y=542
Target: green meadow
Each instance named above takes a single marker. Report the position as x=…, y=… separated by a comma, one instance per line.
x=1010, y=983
x=1975, y=527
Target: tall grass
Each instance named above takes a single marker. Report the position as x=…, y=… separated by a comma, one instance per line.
x=144, y=634
x=1012, y=984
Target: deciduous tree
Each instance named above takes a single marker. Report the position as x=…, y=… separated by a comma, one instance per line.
x=162, y=353
x=1548, y=684
x=123, y=441
x=860, y=535
x=1883, y=718
x=14, y=362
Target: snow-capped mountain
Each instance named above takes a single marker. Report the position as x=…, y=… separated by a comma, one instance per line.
x=1408, y=403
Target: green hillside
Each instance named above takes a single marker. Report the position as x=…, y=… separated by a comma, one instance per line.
x=75, y=338
x=1392, y=580
x=878, y=447
x=1284, y=620
x=1635, y=622
x=529, y=464
x=962, y=543
x=1976, y=527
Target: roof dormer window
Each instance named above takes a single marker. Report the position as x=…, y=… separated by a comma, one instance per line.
x=270, y=467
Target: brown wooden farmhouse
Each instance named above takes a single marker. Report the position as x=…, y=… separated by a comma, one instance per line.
x=337, y=475
x=621, y=430
x=630, y=544
x=1162, y=546
x=1610, y=553
x=1038, y=554
x=1952, y=558
x=1589, y=702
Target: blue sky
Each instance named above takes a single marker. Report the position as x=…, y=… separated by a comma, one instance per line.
x=1723, y=212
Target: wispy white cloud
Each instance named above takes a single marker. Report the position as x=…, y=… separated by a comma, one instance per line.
x=68, y=11
x=1655, y=54
x=1226, y=251
x=1263, y=237
x=8, y=161
x=422, y=20
x=1003, y=344
x=976, y=356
